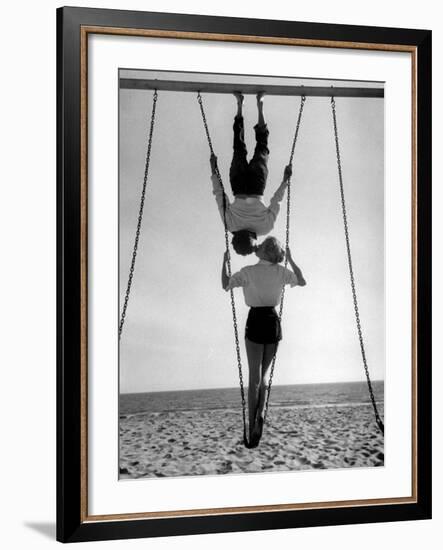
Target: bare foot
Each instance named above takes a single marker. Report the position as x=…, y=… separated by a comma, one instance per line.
x=261, y=118
x=239, y=97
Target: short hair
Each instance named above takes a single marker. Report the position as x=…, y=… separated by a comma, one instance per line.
x=243, y=241
x=272, y=250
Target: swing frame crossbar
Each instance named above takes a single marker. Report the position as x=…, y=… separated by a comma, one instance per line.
x=230, y=88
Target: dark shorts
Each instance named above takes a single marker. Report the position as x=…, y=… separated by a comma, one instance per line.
x=249, y=178
x=263, y=326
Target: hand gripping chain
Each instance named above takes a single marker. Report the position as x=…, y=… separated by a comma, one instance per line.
x=234, y=314
x=288, y=215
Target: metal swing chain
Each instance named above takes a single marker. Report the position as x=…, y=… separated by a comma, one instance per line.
x=234, y=313
x=288, y=212
x=140, y=217
x=351, y=271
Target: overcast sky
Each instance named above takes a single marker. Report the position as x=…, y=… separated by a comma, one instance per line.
x=178, y=330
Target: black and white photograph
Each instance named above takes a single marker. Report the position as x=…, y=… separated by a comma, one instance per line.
x=251, y=274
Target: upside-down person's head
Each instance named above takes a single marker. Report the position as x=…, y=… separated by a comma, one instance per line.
x=271, y=250
x=244, y=241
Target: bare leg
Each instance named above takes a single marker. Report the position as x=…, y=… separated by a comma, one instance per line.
x=258, y=165
x=268, y=355
x=269, y=352
x=261, y=118
x=239, y=96
x=255, y=355
x=238, y=170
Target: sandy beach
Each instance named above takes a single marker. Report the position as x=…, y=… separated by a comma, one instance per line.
x=182, y=443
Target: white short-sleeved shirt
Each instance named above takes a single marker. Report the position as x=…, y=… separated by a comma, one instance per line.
x=262, y=283
x=248, y=213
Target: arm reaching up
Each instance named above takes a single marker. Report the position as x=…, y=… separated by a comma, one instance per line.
x=217, y=189
x=295, y=268
x=236, y=280
x=213, y=163
x=274, y=205
x=224, y=273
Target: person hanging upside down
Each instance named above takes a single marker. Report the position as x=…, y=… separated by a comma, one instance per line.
x=262, y=285
x=247, y=216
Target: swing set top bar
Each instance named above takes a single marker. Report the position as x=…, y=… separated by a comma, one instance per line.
x=229, y=88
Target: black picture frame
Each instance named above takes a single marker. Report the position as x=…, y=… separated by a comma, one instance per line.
x=73, y=523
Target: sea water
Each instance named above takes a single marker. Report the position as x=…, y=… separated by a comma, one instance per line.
x=297, y=395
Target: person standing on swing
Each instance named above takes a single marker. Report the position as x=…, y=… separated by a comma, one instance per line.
x=262, y=285
x=247, y=216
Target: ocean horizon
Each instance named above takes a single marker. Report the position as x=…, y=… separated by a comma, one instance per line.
x=290, y=395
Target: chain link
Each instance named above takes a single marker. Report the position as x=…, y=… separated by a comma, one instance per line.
x=351, y=270
x=288, y=212
x=140, y=217
x=234, y=312
x=234, y=315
